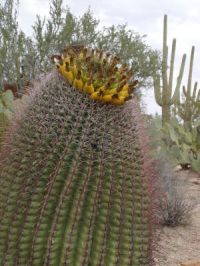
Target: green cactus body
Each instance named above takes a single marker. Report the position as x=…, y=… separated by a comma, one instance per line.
x=75, y=187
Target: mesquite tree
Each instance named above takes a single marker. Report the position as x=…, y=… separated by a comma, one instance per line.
x=24, y=58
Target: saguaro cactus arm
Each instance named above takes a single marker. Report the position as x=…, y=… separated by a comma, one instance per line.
x=165, y=55
x=171, y=73
x=187, y=109
x=163, y=92
x=176, y=96
x=189, y=84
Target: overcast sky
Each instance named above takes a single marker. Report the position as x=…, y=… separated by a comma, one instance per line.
x=143, y=16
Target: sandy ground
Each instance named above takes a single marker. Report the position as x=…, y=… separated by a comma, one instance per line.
x=182, y=243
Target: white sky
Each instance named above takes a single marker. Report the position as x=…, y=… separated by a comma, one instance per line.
x=144, y=17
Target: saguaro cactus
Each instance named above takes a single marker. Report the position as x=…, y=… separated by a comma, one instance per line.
x=163, y=92
x=75, y=188
x=188, y=110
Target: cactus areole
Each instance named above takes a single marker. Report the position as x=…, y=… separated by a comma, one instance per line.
x=75, y=186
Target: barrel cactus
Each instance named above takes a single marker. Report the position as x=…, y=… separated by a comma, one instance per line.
x=75, y=186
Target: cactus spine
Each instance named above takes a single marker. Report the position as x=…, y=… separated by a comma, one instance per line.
x=188, y=110
x=76, y=186
x=163, y=93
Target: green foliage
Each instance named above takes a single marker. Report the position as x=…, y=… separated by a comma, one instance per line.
x=183, y=144
x=6, y=101
x=85, y=29
x=163, y=92
x=154, y=127
x=131, y=49
x=12, y=44
x=6, y=109
x=180, y=143
x=75, y=185
x=26, y=57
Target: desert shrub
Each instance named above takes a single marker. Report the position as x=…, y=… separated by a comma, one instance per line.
x=173, y=205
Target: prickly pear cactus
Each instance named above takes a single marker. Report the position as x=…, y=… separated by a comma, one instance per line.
x=75, y=188
x=6, y=110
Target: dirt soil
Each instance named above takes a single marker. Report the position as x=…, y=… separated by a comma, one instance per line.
x=182, y=243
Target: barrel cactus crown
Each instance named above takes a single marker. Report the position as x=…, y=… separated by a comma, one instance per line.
x=75, y=188
x=99, y=74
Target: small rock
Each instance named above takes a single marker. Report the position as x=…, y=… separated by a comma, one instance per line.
x=177, y=168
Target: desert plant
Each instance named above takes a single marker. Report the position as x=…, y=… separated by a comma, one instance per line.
x=76, y=185
x=163, y=91
x=179, y=142
x=173, y=205
x=12, y=44
x=183, y=144
x=27, y=57
x=119, y=40
x=188, y=109
x=6, y=110
x=154, y=129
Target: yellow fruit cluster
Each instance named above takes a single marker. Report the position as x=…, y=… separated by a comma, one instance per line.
x=99, y=74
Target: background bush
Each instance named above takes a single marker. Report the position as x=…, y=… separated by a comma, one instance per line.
x=174, y=206
x=23, y=58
